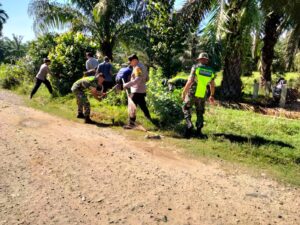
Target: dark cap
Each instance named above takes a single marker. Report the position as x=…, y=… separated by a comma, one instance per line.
x=46, y=60
x=132, y=57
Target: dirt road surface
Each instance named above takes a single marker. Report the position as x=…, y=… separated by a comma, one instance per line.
x=55, y=171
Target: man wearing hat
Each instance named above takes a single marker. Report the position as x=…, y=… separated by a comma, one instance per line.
x=137, y=85
x=41, y=77
x=194, y=92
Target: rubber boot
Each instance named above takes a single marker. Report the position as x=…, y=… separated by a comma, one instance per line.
x=80, y=116
x=88, y=120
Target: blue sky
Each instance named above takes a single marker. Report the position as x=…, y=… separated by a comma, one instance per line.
x=20, y=23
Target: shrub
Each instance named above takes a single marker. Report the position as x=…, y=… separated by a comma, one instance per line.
x=167, y=105
x=39, y=49
x=8, y=76
x=68, y=60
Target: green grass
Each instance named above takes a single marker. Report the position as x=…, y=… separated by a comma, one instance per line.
x=268, y=144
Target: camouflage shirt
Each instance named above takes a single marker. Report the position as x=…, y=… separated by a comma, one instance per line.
x=84, y=84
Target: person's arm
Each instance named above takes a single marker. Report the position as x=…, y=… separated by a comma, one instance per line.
x=48, y=71
x=93, y=91
x=137, y=78
x=98, y=68
x=132, y=82
x=212, y=92
x=187, y=87
x=189, y=83
x=87, y=65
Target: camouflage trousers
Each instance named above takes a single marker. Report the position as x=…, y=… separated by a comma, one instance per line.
x=188, y=103
x=83, y=103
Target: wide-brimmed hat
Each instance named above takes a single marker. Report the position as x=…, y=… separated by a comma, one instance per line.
x=203, y=55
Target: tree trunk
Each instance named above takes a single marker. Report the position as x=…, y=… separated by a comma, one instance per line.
x=231, y=87
x=106, y=49
x=270, y=39
x=292, y=47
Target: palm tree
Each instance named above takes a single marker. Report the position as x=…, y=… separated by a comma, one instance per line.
x=3, y=18
x=108, y=21
x=272, y=32
x=292, y=46
x=279, y=15
x=235, y=21
x=12, y=49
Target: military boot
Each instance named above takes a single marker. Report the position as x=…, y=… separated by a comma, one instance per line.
x=88, y=120
x=188, y=132
x=200, y=135
x=80, y=116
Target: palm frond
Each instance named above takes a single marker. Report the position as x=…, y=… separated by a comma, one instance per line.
x=3, y=16
x=86, y=6
x=48, y=14
x=101, y=10
x=194, y=10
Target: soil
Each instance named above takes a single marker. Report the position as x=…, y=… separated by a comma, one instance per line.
x=55, y=171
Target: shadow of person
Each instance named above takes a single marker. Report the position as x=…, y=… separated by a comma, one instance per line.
x=254, y=140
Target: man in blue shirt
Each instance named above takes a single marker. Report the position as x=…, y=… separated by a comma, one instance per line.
x=123, y=74
x=106, y=68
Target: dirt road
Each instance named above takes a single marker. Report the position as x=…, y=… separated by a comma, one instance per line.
x=54, y=171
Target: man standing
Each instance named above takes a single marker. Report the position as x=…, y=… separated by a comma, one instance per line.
x=91, y=62
x=137, y=85
x=106, y=68
x=41, y=77
x=194, y=93
x=79, y=88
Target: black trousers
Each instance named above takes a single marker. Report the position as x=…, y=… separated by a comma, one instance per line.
x=139, y=100
x=38, y=84
x=107, y=85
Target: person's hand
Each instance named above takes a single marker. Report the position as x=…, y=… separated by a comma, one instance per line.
x=211, y=100
x=94, y=91
x=103, y=95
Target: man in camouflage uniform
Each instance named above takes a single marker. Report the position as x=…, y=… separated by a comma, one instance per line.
x=194, y=92
x=79, y=88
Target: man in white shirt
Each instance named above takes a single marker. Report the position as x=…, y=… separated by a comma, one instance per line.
x=91, y=62
x=41, y=77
